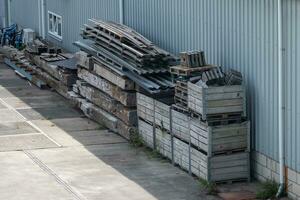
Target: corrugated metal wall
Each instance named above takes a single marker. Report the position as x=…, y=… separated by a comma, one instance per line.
x=76, y=12
x=25, y=13
x=2, y=13
x=240, y=34
x=292, y=61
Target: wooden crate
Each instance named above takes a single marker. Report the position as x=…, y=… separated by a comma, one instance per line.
x=180, y=125
x=162, y=115
x=221, y=169
x=181, y=153
x=212, y=101
x=146, y=132
x=220, y=139
x=145, y=107
x=163, y=143
x=153, y=111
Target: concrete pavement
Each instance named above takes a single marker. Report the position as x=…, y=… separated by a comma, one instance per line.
x=50, y=151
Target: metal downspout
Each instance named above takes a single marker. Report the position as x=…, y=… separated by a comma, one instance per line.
x=281, y=107
x=121, y=11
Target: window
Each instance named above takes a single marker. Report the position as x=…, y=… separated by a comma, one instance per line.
x=55, y=25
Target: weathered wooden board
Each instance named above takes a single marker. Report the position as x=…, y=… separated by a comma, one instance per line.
x=67, y=78
x=146, y=133
x=180, y=125
x=84, y=60
x=52, y=82
x=222, y=168
x=107, y=103
x=125, y=97
x=216, y=100
x=163, y=143
x=181, y=153
x=104, y=118
x=122, y=82
x=220, y=139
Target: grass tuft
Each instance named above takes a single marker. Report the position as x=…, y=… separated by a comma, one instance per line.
x=268, y=190
x=209, y=187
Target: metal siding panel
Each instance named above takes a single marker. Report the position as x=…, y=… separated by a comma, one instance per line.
x=76, y=12
x=234, y=33
x=25, y=13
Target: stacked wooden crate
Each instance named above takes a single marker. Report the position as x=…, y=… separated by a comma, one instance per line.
x=218, y=131
x=154, y=123
x=105, y=96
x=210, y=139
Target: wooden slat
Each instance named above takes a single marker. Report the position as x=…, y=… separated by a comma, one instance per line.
x=126, y=98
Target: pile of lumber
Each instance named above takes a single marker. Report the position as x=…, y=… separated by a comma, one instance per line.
x=115, y=39
x=105, y=96
x=55, y=68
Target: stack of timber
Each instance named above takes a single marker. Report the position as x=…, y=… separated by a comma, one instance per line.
x=122, y=41
x=211, y=147
x=22, y=66
x=105, y=96
x=125, y=51
x=55, y=68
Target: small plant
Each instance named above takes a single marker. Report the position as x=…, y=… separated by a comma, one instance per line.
x=268, y=190
x=136, y=140
x=209, y=187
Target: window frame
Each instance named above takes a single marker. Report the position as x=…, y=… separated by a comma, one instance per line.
x=53, y=27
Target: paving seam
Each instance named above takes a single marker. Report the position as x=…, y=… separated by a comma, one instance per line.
x=19, y=135
x=50, y=172
x=29, y=122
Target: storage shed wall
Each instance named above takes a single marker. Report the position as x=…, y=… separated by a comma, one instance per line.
x=239, y=34
x=25, y=13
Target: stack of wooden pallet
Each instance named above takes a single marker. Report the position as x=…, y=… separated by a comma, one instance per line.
x=210, y=139
x=113, y=39
x=193, y=65
x=105, y=96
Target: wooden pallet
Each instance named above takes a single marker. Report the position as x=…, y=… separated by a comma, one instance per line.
x=180, y=125
x=193, y=59
x=185, y=71
x=146, y=132
x=219, y=119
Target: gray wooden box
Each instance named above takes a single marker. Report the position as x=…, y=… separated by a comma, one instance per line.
x=181, y=153
x=153, y=111
x=146, y=132
x=220, y=139
x=216, y=100
x=180, y=125
x=222, y=168
x=145, y=107
x=163, y=143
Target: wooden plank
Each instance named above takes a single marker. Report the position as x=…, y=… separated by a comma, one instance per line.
x=126, y=98
x=66, y=78
x=84, y=60
x=104, y=118
x=107, y=103
x=122, y=82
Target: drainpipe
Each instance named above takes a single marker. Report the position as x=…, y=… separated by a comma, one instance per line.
x=43, y=8
x=281, y=108
x=8, y=10
x=39, y=16
x=121, y=11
